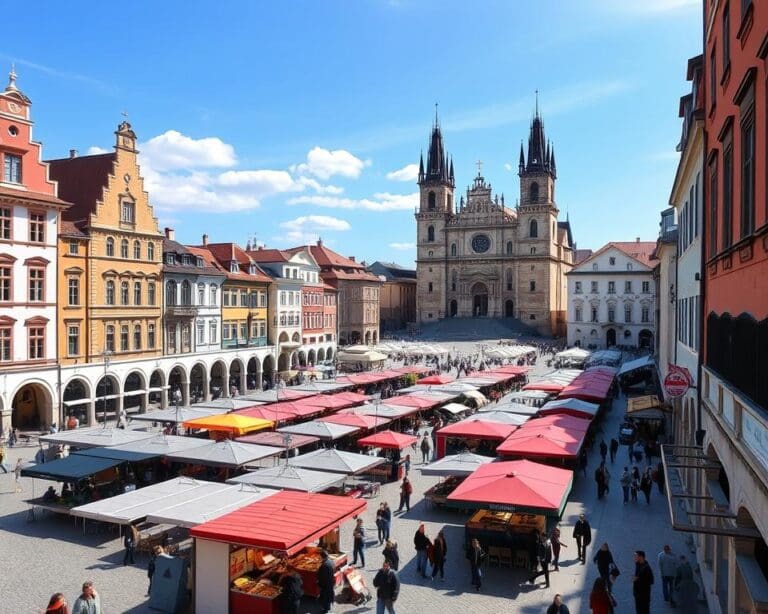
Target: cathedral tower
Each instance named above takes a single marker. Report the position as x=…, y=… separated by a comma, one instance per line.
x=436, y=207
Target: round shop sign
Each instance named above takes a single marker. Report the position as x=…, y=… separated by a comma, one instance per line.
x=676, y=384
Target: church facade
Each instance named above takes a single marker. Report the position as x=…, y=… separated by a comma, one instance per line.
x=482, y=259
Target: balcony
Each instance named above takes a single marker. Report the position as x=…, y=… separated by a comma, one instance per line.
x=253, y=342
x=181, y=311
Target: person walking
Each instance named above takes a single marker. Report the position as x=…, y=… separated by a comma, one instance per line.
x=358, y=537
x=554, y=538
x=439, y=552
x=17, y=475
x=604, y=561
x=668, y=571
x=391, y=554
x=407, y=463
x=326, y=582
x=3, y=468
x=600, y=600
x=646, y=485
x=475, y=556
x=557, y=606
x=382, y=522
x=387, y=589
x=658, y=477
x=614, y=449
x=544, y=557
x=88, y=602
x=635, y=485
x=422, y=543
x=641, y=584
x=603, y=450
x=129, y=542
x=425, y=448
x=405, y=495
x=626, y=481
x=686, y=587
x=57, y=604
x=583, y=461
x=582, y=533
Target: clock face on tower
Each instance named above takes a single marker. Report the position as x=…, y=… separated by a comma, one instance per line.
x=481, y=244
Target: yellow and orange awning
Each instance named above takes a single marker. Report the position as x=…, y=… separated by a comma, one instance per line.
x=236, y=424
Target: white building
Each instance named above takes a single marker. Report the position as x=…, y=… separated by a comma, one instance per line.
x=611, y=297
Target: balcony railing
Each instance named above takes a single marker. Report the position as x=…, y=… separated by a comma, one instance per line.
x=181, y=311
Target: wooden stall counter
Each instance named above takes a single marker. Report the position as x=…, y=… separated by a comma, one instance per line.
x=438, y=494
x=307, y=564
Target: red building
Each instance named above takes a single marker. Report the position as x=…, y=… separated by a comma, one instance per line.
x=330, y=324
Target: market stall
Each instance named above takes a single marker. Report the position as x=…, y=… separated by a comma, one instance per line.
x=275, y=395
x=334, y=401
x=593, y=386
x=240, y=557
x=390, y=445
x=573, y=407
x=293, y=443
x=327, y=431
x=505, y=536
x=176, y=416
x=442, y=378
x=290, y=478
x=95, y=437
x=534, y=398
x=505, y=417
x=462, y=464
x=335, y=461
x=226, y=405
x=229, y=425
x=362, y=421
x=556, y=437
x=650, y=416
x=474, y=434
x=511, y=408
x=227, y=454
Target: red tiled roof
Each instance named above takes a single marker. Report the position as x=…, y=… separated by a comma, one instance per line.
x=223, y=253
x=71, y=229
x=35, y=197
x=640, y=250
x=327, y=257
x=268, y=255
x=82, y=181
x=357, y=275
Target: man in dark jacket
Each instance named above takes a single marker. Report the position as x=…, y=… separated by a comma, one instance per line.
x=293, y=591
x=582, y=532
x=325, y=581
x=544, y=556
x=421, y=543
x=387, y=589
x=614, y=449
x=641, y=583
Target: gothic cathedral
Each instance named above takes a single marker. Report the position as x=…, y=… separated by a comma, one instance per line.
x=482, y=259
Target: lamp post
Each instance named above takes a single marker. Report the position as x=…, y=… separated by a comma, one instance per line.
x=106, y=354
x=287, y=439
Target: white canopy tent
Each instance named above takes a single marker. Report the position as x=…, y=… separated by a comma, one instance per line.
x=638, y=363
x=505, y=417
x=290, y=478
x=225, y=453
x=513, y=408
x=457, y=464
x=95, y=437
x=336, y=461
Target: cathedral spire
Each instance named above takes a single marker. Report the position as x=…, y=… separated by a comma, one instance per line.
x=12, y=80
x=521, y=163
x=421, y=166
x=539, y=149
x=437, y=159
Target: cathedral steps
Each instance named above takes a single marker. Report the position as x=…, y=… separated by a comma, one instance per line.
x=475, y=329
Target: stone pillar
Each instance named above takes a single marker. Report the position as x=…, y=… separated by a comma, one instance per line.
x=207, y=392
x=259, y=380
x=91, y=413
x=164, y=398
x=185, y=394
x=144, y=402
x=242, y=388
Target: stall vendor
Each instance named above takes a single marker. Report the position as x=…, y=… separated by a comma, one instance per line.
x=50, y=495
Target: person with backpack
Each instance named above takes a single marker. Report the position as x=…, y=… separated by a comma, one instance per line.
x=582, y=533
x=544, y=557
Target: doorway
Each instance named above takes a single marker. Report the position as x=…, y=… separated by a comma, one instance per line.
x=509, y=309
x=610, y=337
x=479, y=300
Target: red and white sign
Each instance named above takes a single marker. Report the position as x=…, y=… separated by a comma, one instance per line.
x=677, y=382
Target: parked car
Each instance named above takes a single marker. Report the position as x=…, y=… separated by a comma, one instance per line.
x=626, y=433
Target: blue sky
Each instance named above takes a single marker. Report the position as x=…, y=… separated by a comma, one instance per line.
x=288, y=120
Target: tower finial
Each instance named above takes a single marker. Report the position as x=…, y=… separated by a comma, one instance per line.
x=12, y=78
x=437, y=121
x=537, y=102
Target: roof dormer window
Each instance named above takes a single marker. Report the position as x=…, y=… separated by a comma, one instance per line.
x=233, y=268
x=199, y=262
x=170, y=259
x=252, y=269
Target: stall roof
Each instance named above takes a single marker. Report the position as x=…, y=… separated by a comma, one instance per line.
x=388, y=439
x=455, y=408
x=236, y=424
x=117, y=454
x=544, y=440
x=649, y=407
x=443, y=378
x=575, y=407
x=290, y=478
x=545, y=385
x=334, y=401
x=457, y=464
x=478, y=428
x=513, y=370
x=226, y=404
x=323, y=430
x=385, y=409
x=71, y=468
x=418, y=369
x=160, y=445
x=320, y=386
x=91, y=438
x=171, y=415
x=516, y=485
x=505, y=417
x=530, y=394
x=275, y=395
x=363, y=421
x=479, y=381
x=588, y=387
x=278, y=440
x=210, y=505
x=511, y=408
x=638, y=363
x=285, y=522
x=225, y=453
x=285, y=408
x=336, y=461
x=275, y=414
x=413, y=400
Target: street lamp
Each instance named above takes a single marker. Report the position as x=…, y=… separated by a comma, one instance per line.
x=177, y=401
x=106, y=354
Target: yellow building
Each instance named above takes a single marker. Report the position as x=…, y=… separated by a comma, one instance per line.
x=118, y=260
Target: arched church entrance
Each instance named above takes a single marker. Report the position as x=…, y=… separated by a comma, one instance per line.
x=610, y=337
x=509, y=309
x=480, y=300
x=454, y=308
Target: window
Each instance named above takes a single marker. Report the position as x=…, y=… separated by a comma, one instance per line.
x=578, y=314
x=137, y=250
x=170, y=293
x=200, y=333
x=201, y=294
x=646, y=287
x=593, y=314
x=124, y=338
x=151, y=295
x=124, y=248
x=124, y=293
x=594, y=266
x=110, y=249
x=748, y=171
x=37, y=227
x=628, y=314
x=727, y=195
x=128, y=212
x=73, y=291
x=137, y=293
x=109, y=339
x=110, y=292
x=533, y=229
x=213, y=332
x=611, y=287
x=214, y=295
x=151, y=336
x=593, y=287
x=73, y=340
x=532, y=285
x=12, y=168
x=6, y=283
x=5, y=223
x=612, y=261
x=244, y=298
x=431, y=200
x=712, y=77
x=137, y=337
x=431, y=234
x=510, y=248
x=429, y=287
x=726, y=37
x=72, y=248
x=534, y=193
x=629, y=266
x=36, y=342
x=696, y=206
x=6, y=343
x=712, y=208
x=611, y=314
x=186, y=293
x=36, y=285
x=170, y=258
x=578, y=289
x=627, y=287
x=645, y=315
x=453, y=249
x=243, y=331
x=151, y=251
x=533, y=251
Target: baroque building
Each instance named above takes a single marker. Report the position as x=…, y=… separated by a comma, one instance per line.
x=481, y=258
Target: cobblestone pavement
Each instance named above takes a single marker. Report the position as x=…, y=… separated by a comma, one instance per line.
x=52, y=554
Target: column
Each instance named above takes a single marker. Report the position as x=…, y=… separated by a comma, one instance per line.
x=242, y=387
x=144, y=402
x=258, y=380
x=91, y=413
x=164, y=398
x=185, y=394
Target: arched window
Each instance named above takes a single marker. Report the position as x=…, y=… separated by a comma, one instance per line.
x=431, y=200
x=186, y=293
x=137, y=293
x=150, y=251
x=124, y=292
x=124, y=248
x=509, y=279
x=534, y=193
x=431, y=234
x=136, y=250
x=109, y=341
x=170, y=293
x=110, y=246
x=509, y=248
x=534, y=229
x=137, y=337
x=110, y=293
x=453, y=249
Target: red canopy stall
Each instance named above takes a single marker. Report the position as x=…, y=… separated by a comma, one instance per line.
x=556, y=437
x=436, y=379
x=593, y=386
x=363, y=421
x=478, y=429
x=388, y=439
x=240, y=557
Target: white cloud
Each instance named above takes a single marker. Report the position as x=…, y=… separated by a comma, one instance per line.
x=93, y=150
x=508, y=166
x=410, y=172
x=402, y=246
x=649, y=7
x=325, y=164
x=307, y=229
x=382, y=201
x=318, y=187
x=665, y=155
x=173, y=150
x=272, y=181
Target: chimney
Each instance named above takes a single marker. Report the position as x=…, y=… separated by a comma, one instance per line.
x=205, y=239
x=319, y=241
x=73, y=153
x=352, y=258
x=637, y=239
x=170, y=234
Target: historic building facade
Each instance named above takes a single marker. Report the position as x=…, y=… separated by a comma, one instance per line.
x=480, y=258
x=611, y=297
x=398, y=295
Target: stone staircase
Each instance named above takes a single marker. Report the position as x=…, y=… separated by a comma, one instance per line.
x=475, y=329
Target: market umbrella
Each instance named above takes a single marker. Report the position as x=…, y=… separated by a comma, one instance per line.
x=461, y=464
x=437, y=379
x=336, y=461
x=505, y=417
x=290, y=478
x=574, y=407
x=362, y=421
x=225, y=453
x=235, y=424
x=323, y=430
x=516, y=486
x=388, y=439
x=479, y=428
